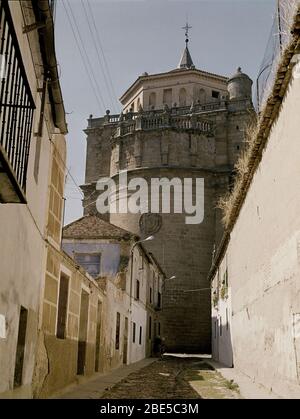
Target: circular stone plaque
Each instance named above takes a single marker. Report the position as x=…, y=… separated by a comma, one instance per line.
x=150, y=223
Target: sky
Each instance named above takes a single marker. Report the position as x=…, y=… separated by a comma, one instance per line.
x=121, y=39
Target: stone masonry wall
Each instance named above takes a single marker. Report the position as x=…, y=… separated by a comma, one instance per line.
x=182, y=250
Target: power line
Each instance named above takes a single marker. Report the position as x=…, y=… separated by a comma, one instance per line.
x=71, y=188
x=102, y=51
x=89, y=204
x=73, y=198
x=110, y=92
x=65, y=167
x=85, y=59
x=77, y=187
x=89, y=67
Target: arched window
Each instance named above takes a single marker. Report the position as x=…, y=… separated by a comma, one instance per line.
x=167, y=97
x=138, y=104
x=152, y=100
x=182, y=97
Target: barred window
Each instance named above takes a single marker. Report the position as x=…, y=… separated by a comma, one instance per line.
x=16, y=103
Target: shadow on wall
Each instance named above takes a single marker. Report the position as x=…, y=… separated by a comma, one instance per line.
x=222, y=350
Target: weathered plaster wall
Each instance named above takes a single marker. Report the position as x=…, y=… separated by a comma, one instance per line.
x=222, y=350
x=142, y=273
x=263, y=262
x=116, y=302
x=139, y=317
x=110, y=253
x=23, y=253
x=121, y=295
x=53, y=351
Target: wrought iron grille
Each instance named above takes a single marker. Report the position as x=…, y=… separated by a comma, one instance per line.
x=16, y=102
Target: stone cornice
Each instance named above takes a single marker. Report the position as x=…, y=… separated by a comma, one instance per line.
x=213, y=171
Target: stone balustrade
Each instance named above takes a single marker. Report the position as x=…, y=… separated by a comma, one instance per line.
x=154, y=122
x=181, y=118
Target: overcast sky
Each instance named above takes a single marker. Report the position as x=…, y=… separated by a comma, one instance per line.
x=145, y=35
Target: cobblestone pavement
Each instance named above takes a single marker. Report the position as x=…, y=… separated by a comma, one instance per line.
x=174, y=378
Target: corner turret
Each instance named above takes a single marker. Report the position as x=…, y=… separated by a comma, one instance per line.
x=240, y=86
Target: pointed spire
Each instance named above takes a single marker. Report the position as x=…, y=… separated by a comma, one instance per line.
x=186, y=59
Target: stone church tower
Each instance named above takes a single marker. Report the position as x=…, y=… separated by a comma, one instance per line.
x=185, y=123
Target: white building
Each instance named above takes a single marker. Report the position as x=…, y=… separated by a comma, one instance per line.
x=132, y=280
x=255, y=274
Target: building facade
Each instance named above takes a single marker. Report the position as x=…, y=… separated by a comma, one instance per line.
x=181, y=124
x=32, y=152
x=132, y=280
x=70, y=342
x=62, y=316
x=255, y=275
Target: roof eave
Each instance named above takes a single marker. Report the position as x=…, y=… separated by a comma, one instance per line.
x=46, y=37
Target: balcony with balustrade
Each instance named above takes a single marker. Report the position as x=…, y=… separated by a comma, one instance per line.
x=190, y=118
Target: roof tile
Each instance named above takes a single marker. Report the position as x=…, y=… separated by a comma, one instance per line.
x=94, y=227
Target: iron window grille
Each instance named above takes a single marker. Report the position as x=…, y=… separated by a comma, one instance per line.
x=16, y=101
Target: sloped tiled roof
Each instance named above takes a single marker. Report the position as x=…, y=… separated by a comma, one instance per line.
x=93, y=227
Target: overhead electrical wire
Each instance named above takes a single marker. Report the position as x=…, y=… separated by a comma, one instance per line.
x=107, y=79
x=65, y=167
x=84, y=56
x=96, y=39
x=102, y=51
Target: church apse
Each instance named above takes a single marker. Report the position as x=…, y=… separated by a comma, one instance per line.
x=192, y=131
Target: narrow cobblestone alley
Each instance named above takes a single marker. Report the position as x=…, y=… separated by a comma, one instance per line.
x=174, y=378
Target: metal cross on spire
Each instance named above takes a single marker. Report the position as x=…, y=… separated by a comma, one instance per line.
x=187, y=28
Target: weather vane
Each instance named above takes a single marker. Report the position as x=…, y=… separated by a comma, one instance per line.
x=187, y=28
